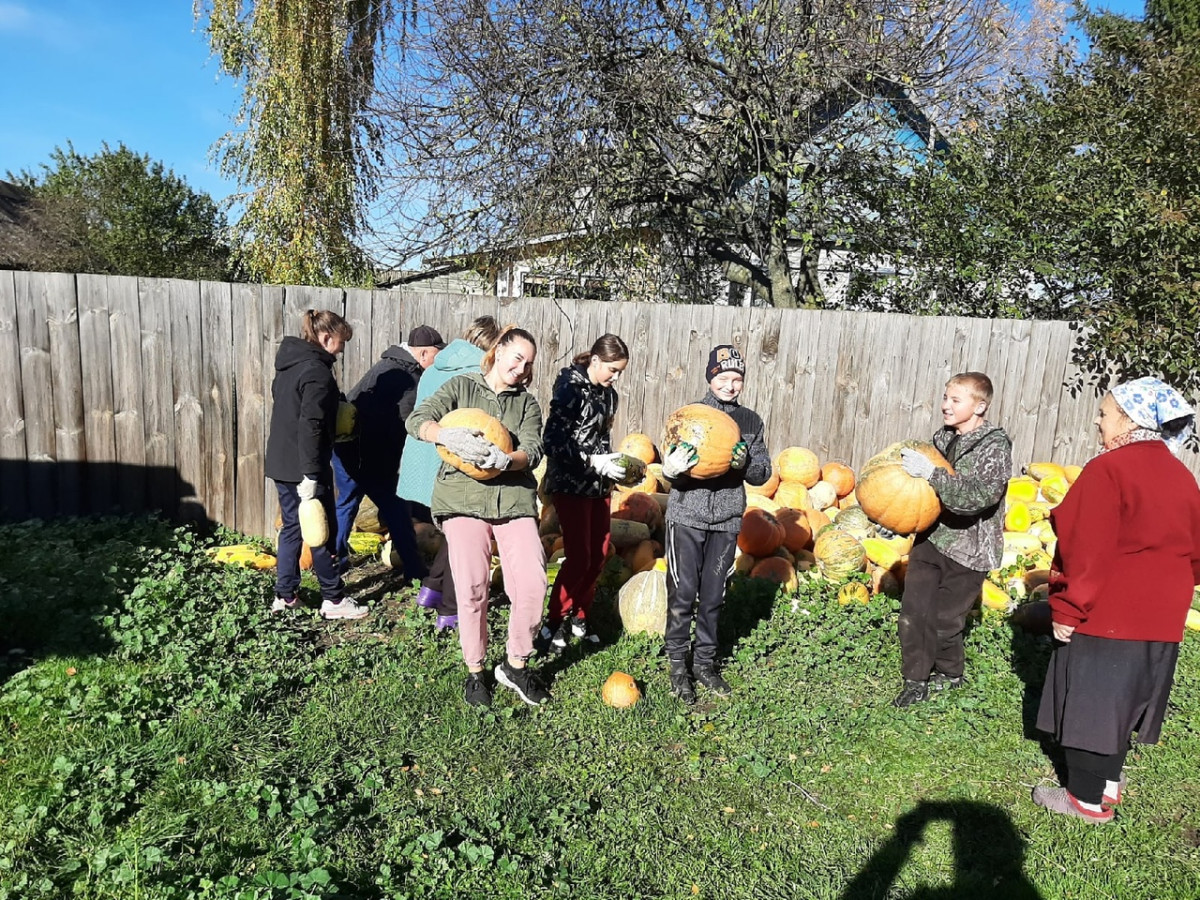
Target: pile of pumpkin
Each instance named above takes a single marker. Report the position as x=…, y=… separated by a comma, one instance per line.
x=1029, y=539
x=813, y=520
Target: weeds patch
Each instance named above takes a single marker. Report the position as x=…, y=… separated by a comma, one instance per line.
x=163, y=736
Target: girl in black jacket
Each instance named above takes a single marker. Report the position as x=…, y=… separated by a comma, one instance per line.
x=299, y=449
x=580, y=472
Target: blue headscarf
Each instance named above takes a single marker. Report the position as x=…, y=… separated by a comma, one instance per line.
x=1155, y=405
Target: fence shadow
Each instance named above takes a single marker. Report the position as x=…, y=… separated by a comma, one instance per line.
x=989, y=856
x=54, y=489
x=55, y=593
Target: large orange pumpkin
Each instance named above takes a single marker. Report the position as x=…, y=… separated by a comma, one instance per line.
x=778, y=570
x=620, y=691
x=761, y=533
x=838, y=554
x=710, y=431
x=893, y=498
x=796, y=533
x=763, y=502
x=799, y=464
x=840, y=475
x=640, y=446
x=793, y=495
x=816, y=520
x=641, y=557
x=768, y=489
x=493, y=430
x=637, y=507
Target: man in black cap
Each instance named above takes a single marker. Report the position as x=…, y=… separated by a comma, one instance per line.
x=369, y=462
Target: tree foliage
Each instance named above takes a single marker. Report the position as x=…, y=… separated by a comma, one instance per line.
x=303, y=149
x=724, y=127
x=116, y=213
x=1081, y=200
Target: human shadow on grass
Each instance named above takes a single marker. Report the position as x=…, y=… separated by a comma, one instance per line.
x=748, y=602
x=989, y=856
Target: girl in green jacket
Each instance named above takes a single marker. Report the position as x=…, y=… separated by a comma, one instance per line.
x=503, y=508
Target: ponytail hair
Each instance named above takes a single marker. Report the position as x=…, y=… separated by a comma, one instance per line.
x=315, y=323
x=608, y=348
x=507, y=336
x=482, y=332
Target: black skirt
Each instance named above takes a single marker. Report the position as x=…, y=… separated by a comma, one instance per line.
x=1100, y=690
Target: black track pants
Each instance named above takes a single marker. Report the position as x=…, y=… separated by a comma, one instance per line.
x=698, y=566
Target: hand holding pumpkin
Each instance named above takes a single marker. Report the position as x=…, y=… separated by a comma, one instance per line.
x=307, y=488
x=496, y=459
x=740, y=456
x=608, y=465
x=466, y=443
x=679, y=459
x=918, y=465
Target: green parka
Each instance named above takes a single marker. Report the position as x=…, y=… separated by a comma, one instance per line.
x=509, y=495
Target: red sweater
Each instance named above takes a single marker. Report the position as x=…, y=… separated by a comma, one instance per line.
x=1128, y=546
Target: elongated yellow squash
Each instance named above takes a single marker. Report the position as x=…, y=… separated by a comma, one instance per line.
x=314, y=527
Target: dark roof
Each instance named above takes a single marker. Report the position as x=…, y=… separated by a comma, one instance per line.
x=12, y=198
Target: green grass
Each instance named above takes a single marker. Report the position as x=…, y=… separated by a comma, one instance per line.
x=162, y=736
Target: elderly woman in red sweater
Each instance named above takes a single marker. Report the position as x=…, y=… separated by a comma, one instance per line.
x=1128, y=555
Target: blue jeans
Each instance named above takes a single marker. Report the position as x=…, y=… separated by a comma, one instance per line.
x=287, y=563
x=351, y=488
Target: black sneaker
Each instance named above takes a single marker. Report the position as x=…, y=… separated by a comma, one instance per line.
x=940, y=682
x=914, y=692
x=552, y=643
x=524, y=682
x=681, y=687
x=711, y=679
x=476, y=691
x=681, y=682
x=580, y=631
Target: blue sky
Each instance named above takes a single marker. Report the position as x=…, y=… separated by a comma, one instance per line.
x=132, y=71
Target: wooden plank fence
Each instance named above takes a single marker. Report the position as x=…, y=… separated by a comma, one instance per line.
x=130, y=394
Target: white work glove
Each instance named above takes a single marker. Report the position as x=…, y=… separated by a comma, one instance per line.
x=680, y=458
x=467, y=444
x=307, y=488
x=606, y=464
x=918, y=465
x=496, y=459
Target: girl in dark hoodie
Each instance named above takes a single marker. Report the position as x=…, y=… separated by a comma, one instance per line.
x=299, y=449
x=581, y=470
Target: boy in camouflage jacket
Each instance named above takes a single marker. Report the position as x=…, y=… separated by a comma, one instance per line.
x=948, y=563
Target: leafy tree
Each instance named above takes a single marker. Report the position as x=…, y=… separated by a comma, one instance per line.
x=1081, y=200
x=1178, y=20
x=303, y=149
x=723, y=126
x=116, y=213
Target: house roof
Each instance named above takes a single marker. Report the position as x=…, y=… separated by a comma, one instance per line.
x=12, y=198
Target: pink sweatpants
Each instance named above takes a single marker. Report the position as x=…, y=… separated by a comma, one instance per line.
x=524, y=565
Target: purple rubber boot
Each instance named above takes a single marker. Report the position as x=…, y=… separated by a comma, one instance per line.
x=428, y=598
x=446, y=623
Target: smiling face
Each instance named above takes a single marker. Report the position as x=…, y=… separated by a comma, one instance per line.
x=727, y=386
x=514, y=362
x=961, y=409
x=1111, y=421
x=605, y=374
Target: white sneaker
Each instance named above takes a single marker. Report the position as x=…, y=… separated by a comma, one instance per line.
x=283, y=604
x=345, y=609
